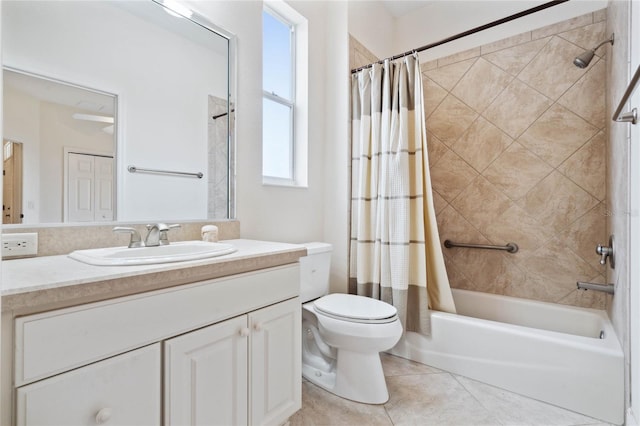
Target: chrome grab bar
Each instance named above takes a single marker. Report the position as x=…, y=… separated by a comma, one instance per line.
x=134, y=169
x=630, y=116
x=510, y=247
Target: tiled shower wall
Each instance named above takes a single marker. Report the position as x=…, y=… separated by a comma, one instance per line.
x=517, y=154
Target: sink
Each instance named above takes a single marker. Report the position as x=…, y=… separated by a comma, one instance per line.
x=174, y=252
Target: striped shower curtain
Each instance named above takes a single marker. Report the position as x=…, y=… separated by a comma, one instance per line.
x=395, y=248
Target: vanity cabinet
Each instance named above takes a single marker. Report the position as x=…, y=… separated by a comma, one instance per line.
x=214, y=374
x=121, y=390
x=223, y=351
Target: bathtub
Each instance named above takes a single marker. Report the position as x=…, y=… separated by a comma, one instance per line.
x=567, y=356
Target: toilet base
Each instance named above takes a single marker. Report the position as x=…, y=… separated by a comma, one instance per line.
x=356, y=376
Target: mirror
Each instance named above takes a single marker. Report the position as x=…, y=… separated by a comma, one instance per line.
x=119, y=111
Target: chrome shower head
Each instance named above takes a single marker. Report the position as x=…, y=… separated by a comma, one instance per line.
x=583, y=60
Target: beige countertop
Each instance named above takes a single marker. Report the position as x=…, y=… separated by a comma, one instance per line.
x=51, y=282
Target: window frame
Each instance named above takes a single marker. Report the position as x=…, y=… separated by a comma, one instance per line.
x=288, y=102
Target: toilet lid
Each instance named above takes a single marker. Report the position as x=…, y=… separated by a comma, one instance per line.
x=355, y=308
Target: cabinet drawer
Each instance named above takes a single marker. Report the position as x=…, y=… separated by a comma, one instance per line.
x=57, y=341
x=122, y=390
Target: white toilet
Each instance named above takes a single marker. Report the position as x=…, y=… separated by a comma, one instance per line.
x=343, y=334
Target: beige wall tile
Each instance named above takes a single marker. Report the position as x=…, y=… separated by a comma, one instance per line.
x=449, y=75
x=587, y=97
x=559, y=27
x=516, y=171
x=514, y=225
x=439, y=203
x=586, y=166
x=481, y=84
x=429, y=65
x=600, y=15
x=453, y=226
x=491, y=271
x=505, y=43
x=557, y=134
x=435, y=149
x=588, y=37
x=433, y=94
x=515, y=109
x=557, y=268
x=451, y=175
x=586, y=233
x=551, y=72
x=586, y=299
x=481, y=144
x=460, y=56
x=558, y=202
x=480, y=203
x=449, y=121
x=514, y=59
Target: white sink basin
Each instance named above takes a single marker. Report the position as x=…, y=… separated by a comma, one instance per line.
x=174, y=252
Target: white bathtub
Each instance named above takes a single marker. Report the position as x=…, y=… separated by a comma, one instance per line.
x=563, y=355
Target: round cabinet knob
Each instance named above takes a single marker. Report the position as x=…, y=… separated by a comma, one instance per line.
x=258, y=326
x=244, y=332
x=103, y=416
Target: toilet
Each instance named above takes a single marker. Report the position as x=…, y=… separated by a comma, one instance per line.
x=343, y=334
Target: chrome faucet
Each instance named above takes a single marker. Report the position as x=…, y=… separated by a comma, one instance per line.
x=135, y=240
x=157, y=235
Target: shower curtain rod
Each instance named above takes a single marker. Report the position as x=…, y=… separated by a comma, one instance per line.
x=468, y=32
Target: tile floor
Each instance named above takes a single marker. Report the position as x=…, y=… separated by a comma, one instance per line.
x=422, y=395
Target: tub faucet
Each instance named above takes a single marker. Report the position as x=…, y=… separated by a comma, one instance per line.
x=157, y=235
x=607, y=288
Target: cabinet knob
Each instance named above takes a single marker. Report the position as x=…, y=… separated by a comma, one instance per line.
x=103, y=415
x=244, y=332
x=258, y=326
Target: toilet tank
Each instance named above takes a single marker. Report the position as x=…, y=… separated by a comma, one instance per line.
x=314, y=271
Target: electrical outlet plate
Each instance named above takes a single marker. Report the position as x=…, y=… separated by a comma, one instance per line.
x=19, y=245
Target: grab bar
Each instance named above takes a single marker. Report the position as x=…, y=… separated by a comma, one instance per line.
x=134, y=169
x=631, y=116
x=510, y=247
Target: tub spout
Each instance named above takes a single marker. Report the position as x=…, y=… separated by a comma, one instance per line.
x=607, y=288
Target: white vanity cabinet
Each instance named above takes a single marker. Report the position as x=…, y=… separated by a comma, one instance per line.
x=121, y=390
x=224, y=351
x=245, y=366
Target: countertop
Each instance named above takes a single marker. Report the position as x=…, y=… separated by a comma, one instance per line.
x=50, y=282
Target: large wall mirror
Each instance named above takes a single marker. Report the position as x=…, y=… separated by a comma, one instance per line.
x=115, y=111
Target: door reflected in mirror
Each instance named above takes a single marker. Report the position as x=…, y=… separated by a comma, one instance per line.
x=116, y=84
x=66, y=135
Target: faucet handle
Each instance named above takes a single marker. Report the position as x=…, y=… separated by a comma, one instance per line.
x=135, y=241
x=607, y=252
x=164, y=229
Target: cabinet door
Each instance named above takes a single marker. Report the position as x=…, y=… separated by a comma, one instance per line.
x=206, y=375
x=275, y=363
x=123, y=390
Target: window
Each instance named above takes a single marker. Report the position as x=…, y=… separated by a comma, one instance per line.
x=283, y=129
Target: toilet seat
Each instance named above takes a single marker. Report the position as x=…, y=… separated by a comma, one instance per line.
x=352, y=308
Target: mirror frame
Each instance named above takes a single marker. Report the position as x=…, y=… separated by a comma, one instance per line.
x=202, y=21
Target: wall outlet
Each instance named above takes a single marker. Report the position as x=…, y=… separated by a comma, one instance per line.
x=19, y=245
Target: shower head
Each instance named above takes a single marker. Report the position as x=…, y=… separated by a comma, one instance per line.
x=583, y=60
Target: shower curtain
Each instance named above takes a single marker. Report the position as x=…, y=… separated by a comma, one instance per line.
x=395, y=247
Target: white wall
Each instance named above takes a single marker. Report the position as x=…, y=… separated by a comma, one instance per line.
x=159, y=78
x=318, y=212
x=337, y=145
x=373, y=26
